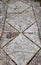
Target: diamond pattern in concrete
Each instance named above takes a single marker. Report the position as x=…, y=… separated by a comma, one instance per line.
x=4, y=59
x=22, y=16
x=19, y=42
x=37, y=59
x=21, y=50
x=32, y=33
x=37, y=11
x=9, y=33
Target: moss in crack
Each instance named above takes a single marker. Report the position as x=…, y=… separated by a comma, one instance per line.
x=10, y=34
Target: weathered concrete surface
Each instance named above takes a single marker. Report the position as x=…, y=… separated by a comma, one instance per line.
x=20, y=14
x=37, y=59
x=37, y=10
x=21, y=49
x=32, y=33
x=4, y=59
x=20, y=41
x=9, y=34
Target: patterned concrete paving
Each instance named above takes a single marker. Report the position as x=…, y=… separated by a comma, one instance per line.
x=37, y=11
x=19, y=33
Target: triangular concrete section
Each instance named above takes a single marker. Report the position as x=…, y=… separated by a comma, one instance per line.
x=32, y=33
x=9, y=34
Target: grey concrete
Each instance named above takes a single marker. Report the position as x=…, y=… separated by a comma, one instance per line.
x=19, y=32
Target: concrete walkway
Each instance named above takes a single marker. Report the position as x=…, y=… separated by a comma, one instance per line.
x=20, y=32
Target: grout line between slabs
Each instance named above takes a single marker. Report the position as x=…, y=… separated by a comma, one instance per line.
x=29, y=60
x=33, y=56
x=12, y=26
x=8, y=42
x=3, y=26
x=10, y=57
x=4, y=21
x=31, y=41
x=36, y=19
x=23, y=34
x=29, y=26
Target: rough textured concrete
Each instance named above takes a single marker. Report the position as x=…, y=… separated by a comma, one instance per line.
x=21, y=50
x=32, y=33
x=37, y=10
x=37, y=59
x=20, y=30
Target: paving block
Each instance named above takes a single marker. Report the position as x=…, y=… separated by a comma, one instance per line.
x=21, y=17
x=21, y=50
